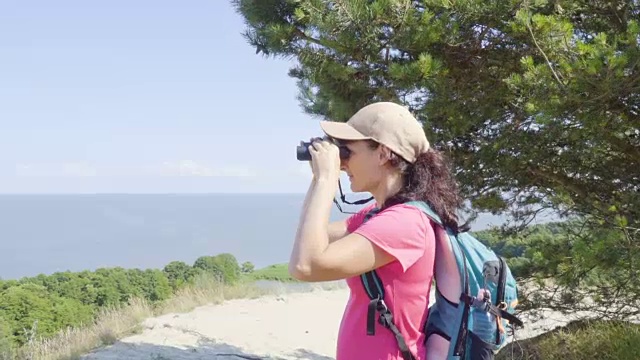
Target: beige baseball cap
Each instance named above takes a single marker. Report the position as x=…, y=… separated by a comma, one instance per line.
x=387, y=123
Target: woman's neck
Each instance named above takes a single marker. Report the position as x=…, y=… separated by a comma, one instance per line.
x=387, y=188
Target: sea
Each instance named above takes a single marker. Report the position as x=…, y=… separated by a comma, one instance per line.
x=43, y=234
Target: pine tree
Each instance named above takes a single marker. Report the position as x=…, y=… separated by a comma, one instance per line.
x=537, y=102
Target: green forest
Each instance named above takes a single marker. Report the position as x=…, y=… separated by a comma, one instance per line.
x=45, y=304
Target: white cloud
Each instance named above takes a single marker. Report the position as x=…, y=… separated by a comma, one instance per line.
x=196, y=169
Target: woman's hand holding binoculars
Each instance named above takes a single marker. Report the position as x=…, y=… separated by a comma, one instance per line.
x=325, y=160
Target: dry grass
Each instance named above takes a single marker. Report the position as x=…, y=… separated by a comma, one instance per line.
x=115, y=323
x=583, y=339
x=109, y=326
x=207, y=290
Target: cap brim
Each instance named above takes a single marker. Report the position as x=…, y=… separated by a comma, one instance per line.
x=341, y=131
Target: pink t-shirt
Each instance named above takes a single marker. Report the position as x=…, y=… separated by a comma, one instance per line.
x=405, y=233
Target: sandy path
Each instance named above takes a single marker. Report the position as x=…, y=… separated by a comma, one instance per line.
x=290, y=326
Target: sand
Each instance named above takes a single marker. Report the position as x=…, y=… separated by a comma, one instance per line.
x=288, y=326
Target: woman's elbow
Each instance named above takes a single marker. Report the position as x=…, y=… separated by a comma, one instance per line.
x=304, y=272
x=299, y=271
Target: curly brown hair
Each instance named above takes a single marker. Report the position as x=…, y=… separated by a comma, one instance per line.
x=429, y=179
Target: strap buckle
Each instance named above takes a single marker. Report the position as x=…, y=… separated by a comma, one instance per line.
x=381, y=306
x=386, y=318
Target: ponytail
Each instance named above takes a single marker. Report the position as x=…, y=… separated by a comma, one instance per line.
x=431, y=180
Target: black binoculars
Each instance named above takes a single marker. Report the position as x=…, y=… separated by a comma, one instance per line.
x=302, y=151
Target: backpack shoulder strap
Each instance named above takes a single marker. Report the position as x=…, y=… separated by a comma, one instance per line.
x=427, y=210
x=372, y=285
x=453, y=240
x=458, y=345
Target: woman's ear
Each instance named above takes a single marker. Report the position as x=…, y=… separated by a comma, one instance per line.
x=385, y=154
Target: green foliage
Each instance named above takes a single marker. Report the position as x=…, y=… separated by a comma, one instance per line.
x=42, y=305
x=230, y=267
x=7, y=346
x=536, y=102
x=29, y=306
x=518, y=92
x=276, y=272
x=223, y=266
x=579, y=340
x=247, y=267
x=522, y=250
x=178, y=273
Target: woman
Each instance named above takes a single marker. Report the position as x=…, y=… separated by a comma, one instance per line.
x=391, y=158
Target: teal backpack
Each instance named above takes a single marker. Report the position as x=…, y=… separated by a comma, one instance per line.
x=479, y=267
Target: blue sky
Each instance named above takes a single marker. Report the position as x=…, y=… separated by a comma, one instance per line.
x=143, y=97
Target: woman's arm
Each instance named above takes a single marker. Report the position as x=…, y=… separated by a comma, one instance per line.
x=337, y=230
x=316, y=257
